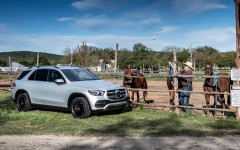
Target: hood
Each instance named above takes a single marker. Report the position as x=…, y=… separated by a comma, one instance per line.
x=97, y=85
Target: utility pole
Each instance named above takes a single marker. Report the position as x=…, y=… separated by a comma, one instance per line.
x=191, y=52
x=237, y=4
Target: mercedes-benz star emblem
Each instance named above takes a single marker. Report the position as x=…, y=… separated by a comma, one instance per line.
x=118, y=94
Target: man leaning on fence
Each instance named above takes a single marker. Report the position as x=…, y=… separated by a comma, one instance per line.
x=187, y=85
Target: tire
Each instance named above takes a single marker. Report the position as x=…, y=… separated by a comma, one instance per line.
x=80, y=108
x=23, y=102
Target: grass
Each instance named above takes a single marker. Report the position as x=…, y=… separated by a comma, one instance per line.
x=135, y=122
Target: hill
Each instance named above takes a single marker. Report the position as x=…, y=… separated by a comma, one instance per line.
x=27, y=55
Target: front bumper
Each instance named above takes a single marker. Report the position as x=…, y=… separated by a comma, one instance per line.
x=107, y=104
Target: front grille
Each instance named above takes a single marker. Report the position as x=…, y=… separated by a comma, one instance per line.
x=103, y=103
x=116, y=94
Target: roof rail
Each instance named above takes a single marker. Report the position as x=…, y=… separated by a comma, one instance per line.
x=69, y=65
x=41, y=66
x=45, y=66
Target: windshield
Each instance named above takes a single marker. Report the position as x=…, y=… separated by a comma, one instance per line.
x=79, y=74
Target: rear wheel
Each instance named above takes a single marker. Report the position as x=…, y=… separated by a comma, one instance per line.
x=23, y=102
x=80, y=108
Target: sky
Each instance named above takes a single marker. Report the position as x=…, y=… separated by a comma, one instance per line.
x=53, y=25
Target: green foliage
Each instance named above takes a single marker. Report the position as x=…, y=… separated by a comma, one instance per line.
x=141, y=55
x=205, y=53
x=3, y=63
x=33, y=62
x=227, y=59
x=42, y=61
x=25, y=63
x=27, y=56
x=183, y=55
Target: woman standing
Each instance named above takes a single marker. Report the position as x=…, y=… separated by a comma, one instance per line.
x=187, y=84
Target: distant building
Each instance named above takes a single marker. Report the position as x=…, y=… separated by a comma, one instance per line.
x=95, y=68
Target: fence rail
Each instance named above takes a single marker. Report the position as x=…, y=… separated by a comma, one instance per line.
x=176, y=90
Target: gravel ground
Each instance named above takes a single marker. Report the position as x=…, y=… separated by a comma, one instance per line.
x=54, y=142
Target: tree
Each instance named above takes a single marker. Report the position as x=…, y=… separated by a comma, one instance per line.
x=42, y=61
x=25, y=63
x=205, y=53
x=183, y=55
x=3, y=63
x=125, y=58
x=227, y=59
x=140, y=52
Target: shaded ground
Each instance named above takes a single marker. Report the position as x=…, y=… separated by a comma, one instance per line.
x=117, y=143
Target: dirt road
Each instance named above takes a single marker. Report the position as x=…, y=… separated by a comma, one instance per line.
x=46, y=142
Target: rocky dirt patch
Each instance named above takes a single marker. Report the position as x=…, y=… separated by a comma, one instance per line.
x=45, y=142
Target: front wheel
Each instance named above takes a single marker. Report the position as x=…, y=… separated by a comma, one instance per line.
x=80, y=108
x=23, y=102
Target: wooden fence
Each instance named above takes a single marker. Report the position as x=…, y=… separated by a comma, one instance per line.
x=176, y=100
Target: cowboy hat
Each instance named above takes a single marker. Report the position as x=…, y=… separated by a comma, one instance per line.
x=189, y=64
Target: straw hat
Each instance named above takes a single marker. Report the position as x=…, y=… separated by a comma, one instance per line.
x=189, y=64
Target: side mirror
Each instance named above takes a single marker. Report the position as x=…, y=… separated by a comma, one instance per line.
x=59, y=81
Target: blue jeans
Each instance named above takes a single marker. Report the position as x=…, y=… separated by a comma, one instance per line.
x=184, y=97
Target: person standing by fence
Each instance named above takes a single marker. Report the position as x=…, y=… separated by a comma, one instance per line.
x=187, y=85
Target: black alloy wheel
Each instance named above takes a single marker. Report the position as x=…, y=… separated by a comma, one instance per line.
x=80, y=108
x=23, y=102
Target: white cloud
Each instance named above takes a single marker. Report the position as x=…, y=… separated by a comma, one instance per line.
x=168, y=29
x=86, y=4
x=196, y=6
x=62, y=19
x=151, y=21
x=220, y=38
x=56, y=43
x=95, y=21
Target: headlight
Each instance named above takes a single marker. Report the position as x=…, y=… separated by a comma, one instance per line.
x=96, y=92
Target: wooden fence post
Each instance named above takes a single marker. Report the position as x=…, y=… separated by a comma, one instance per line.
x=175, y=70
x=159, y=69
x=143, y=69
x=116, y=58
x=38, y=59
x=10, y=71
x=238, y=114
x=71, y=63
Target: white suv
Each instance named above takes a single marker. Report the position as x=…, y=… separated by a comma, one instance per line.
x=72, y=88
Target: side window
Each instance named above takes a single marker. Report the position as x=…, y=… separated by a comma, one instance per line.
x=41, y=75
x=23, y=74
x=32, y=76
x=53, y=75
